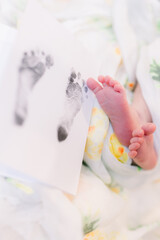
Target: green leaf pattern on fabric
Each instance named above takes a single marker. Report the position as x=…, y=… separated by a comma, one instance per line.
x=90, y=223
x=158, y=25
x=155, y=70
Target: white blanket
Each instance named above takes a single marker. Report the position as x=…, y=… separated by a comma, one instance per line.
x=108, y=206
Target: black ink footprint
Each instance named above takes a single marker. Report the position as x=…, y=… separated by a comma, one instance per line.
x=32, y=68
x=73, y=102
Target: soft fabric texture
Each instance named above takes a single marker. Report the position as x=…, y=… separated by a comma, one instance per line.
x=115, y=200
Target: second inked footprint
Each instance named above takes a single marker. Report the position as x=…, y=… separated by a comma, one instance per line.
x=32, y=68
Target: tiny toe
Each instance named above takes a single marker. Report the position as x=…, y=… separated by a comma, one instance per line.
x=137, y=140
x=118, y=88
x=101, y=79
x=94, y=85
x=149, y=128
x=138, y=133
x=134, y=146
x=112, y=82
x=132, y=154
x=107, y=79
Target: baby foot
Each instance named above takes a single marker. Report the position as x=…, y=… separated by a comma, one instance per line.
x=73, y=102
x=112, y=98
x=32, y=68
x=142, y=148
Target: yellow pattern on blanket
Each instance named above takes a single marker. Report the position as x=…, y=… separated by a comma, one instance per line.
x=96, y=134
x=117, y=149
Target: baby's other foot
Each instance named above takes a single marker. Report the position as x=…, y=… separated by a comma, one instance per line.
x=142, y=147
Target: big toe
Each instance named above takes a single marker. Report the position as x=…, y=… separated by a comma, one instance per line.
x=149, y=128
x=94, y=85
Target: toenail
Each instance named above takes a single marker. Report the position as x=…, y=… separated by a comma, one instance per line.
x=107, y=78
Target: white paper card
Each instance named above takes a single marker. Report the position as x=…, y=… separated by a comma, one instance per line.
x=44, y=101
x=7, y=38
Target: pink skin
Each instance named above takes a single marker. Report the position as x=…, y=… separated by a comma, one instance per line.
x=142, y=148
x=127, y=125
x=112, y=98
